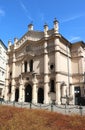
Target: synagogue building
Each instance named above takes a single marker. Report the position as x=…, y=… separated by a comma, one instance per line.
x=44, y=67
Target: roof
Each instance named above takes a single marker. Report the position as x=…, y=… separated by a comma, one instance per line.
x=1, y=42
x=78, y=43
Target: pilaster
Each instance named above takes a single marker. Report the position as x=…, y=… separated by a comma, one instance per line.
x=13, y=79
x=5, y=94
x=34, y=91
x=46, y=78
x=22, y=69
x=13, y=92
x=46, y=89
x=63, y=90
x=57, y=69
x=21, y=98
x=57, y=55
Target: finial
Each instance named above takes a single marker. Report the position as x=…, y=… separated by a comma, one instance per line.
x=55, y=20
x=45, y=29
x=56, y=27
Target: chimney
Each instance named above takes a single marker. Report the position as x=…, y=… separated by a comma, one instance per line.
x=30, y=27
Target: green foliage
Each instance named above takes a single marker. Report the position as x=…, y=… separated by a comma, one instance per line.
x=12, y=118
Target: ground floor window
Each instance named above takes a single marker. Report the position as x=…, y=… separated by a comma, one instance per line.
x=28, y=93
x=52, y=86
x=40, y=95
x=9, y=92
x=77, y=95
x=16, y=94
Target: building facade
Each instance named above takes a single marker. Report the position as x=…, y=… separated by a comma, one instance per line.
x=3, y=60
x=44, y=67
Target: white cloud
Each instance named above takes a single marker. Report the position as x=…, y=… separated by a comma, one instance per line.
x=74, y=38
x=2, y=12
x=72, y=18
x=25, y=9
x=23, y=6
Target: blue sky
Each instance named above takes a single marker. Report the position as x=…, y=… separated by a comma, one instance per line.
x=15, y=15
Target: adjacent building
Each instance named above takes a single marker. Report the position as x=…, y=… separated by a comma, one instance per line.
x=3, y=59
x=44, y=67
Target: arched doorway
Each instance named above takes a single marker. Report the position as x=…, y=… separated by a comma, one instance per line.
x=77, y=95
x=28, y=93
x=40, y=95
x=16, y=94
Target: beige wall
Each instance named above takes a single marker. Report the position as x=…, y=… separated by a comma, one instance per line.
x=46, y=48
x=38, y=65
x=18, y=68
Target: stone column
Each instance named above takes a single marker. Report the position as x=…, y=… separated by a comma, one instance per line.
x=63, y=90
x=58, y=94
x=34, y=92
x=22, y=68
x=57, y=69
x=13, y=92
x=23, y=93
x=13, y=79
x=6, y=93
x=34, y=89
x=21, y=90
x=63, y=100
x=46, y=78
x=72, y=93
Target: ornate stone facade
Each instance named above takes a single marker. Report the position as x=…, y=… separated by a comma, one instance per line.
x=44, y=67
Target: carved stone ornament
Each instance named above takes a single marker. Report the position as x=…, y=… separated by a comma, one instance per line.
x=28, y=48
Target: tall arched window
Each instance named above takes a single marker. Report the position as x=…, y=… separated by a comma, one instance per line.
x=9, y=89
x=31, y=65
x=52, y=86
x=25, y=66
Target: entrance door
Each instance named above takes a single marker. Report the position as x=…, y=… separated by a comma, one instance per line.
x=77, y=96
x=40, y=95
x=16, y=95
x=28, y=93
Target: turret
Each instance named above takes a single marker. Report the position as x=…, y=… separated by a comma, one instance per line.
x=30, y=27
x=46, y=30
x=56, y=27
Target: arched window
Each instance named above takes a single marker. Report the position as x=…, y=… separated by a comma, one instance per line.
x=31, y=65
x=25, y=66
x=9, y=88
x=52, y=86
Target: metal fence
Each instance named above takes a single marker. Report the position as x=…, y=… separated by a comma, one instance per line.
x=64, y=109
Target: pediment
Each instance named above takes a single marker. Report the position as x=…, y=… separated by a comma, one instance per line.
x=32, y=36
x=25, y=52
x=28, y=56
